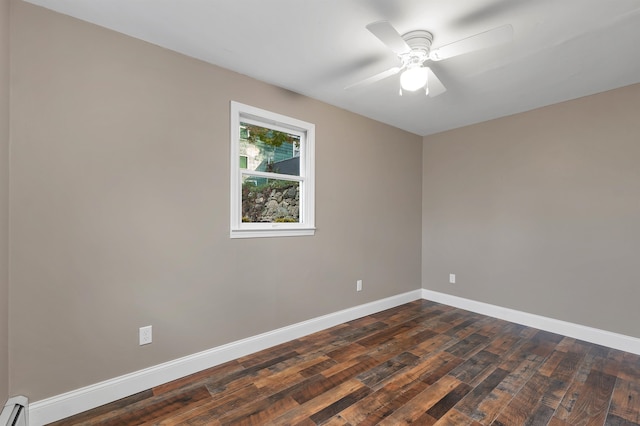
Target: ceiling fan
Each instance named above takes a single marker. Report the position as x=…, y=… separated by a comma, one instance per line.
x=414, y=50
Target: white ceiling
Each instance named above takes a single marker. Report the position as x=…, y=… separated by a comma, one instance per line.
x=562, y=49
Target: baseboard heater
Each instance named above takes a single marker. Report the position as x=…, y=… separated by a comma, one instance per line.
x=14, y=412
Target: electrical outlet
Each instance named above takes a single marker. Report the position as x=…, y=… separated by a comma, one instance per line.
x=145, y=335
x=359, y=285
x=452, y=278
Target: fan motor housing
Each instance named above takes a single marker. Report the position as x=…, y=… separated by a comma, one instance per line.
x=419, y=41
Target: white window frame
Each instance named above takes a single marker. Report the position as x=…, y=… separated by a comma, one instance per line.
x=306, y=131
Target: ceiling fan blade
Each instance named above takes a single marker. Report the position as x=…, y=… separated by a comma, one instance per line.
x=374, y=78
x=434, y=84
x=389, y=36
x=490, y=38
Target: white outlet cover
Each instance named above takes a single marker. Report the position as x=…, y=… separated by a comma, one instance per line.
x=146, y=335
x=452, y=278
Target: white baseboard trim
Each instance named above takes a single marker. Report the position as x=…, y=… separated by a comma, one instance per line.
x=577, y=331
x=79, y=400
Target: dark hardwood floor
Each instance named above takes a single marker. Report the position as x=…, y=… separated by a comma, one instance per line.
x=421, y=363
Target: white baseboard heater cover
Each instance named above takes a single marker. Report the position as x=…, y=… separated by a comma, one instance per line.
x=14, y=412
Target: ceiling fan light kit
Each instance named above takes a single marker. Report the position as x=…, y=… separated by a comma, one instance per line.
x=414, y=78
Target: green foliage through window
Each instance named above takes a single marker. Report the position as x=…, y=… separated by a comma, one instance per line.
x=268, y=136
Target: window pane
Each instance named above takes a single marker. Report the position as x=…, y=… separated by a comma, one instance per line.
x=269, y=150
x=270, y=200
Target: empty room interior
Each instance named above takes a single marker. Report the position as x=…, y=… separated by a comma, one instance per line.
x=463, y=253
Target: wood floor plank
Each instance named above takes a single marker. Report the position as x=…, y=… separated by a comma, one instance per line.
x=199, y=415
x=334, y=421
x=526, y=402
x=398, y=390
x=569, y=344
x=420, y=363
x=468, y=346
x=426, y=399
x=223, y=402
x=316, y=404
x=284, y=378
x=491, y=406
x=488, y=409
x=478, y=394
x=562, y=375
x=258, y=412
x=630, y=367
x=474, y=366
x=625, y=402
x=456, y=418
x=505, y=341
x=387, y=369
x=438, y=343
x=592, y=404
x=441, y=408
x=339, y=405
x=319, y=384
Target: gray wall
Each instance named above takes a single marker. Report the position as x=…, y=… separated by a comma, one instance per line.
x=4, y=199
x=540, y=211
x=120, y=209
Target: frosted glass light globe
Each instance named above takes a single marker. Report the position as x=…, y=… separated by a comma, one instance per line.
x=414, y=78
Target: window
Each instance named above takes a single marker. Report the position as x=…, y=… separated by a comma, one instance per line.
x=272, y=174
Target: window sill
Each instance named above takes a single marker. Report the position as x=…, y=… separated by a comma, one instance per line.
x=269, y=233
